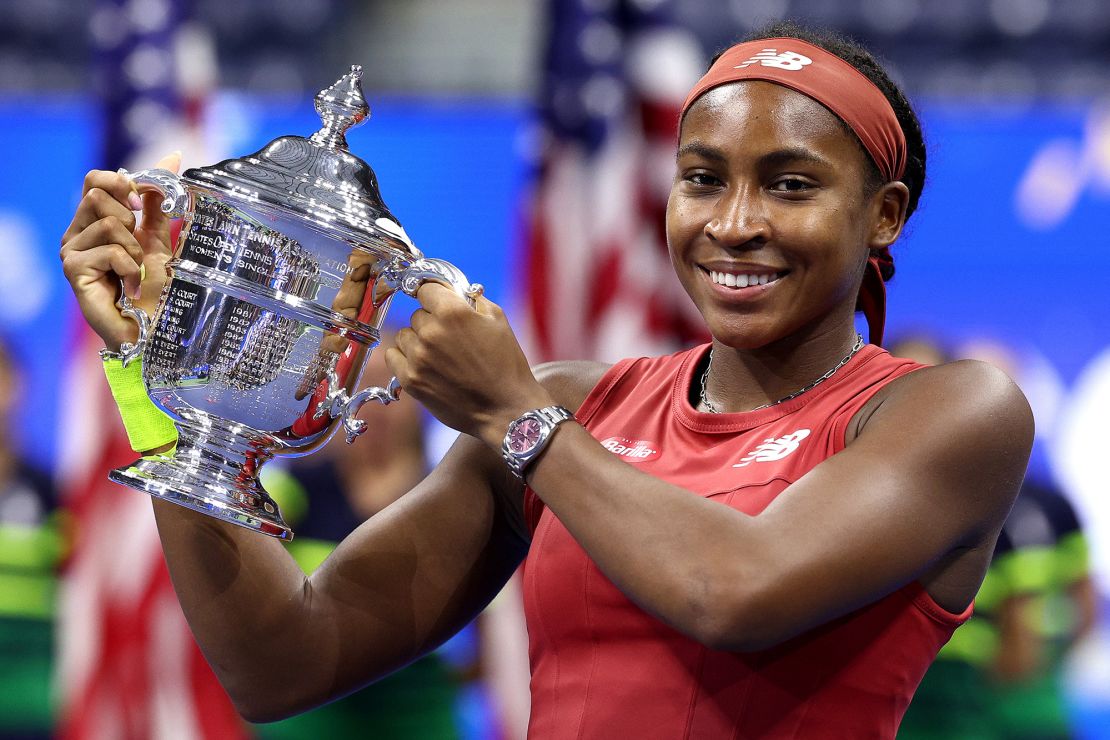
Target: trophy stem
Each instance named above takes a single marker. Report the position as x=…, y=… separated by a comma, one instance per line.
x=212, y=471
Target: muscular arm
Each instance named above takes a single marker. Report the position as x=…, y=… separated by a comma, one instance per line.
x=933, y=471
x=401, y=584
x=922, y=489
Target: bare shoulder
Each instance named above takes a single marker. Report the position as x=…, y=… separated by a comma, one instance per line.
x=968, y=390
x=971, y=402
x=966, y=425
x=570, y=381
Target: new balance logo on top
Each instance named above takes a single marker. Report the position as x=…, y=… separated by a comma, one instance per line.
x=774, y=449
x=791, y=60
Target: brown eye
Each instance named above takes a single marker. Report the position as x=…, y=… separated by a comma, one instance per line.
x=791, y=185
x=703, y=179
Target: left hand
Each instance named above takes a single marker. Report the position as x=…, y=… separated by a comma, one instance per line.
x=464, y=364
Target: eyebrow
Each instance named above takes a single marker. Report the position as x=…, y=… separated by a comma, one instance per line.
x=792, y=155
x=777, y=158
x=702, y=150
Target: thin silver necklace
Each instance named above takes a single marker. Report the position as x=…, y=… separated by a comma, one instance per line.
x=712, y=408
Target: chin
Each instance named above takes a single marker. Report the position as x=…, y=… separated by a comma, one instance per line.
x=743, y=334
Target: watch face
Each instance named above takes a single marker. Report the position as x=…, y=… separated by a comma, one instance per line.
x=524, y=435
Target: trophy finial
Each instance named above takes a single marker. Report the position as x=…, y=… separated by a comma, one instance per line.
x=341, y=106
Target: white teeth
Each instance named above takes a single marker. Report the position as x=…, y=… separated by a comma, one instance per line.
x=740, y=281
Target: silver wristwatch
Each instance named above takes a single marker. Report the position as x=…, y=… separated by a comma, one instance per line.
x=529, y=434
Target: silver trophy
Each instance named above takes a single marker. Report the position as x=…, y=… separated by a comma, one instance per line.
x=286, y=265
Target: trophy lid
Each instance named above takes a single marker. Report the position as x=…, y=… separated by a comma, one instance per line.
x=316, y=178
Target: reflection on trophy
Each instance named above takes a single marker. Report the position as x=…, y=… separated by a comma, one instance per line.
x=287, y=262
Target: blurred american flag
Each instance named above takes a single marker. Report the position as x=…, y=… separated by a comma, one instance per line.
x=598, y=282
x=128, y=665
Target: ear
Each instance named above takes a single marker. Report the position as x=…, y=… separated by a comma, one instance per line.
x=888, y=214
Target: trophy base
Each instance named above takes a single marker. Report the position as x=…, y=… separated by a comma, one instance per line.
x=202, y=478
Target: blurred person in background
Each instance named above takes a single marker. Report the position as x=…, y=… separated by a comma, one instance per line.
x=999, y=677
x=1050, y=599
x=31, y=550
x=1048, y=605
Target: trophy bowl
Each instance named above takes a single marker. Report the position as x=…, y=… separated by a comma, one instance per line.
x=278, y=286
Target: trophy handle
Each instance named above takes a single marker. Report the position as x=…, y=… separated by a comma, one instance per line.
x=128, y=351
x=407, y=277
x=175, y=198
x=175, y=204
x=338, y=403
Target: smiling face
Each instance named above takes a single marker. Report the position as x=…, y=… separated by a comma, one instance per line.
x=769, y=220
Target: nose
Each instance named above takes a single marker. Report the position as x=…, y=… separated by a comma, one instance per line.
x=739, y=218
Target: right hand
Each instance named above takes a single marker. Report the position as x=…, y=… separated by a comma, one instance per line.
x=105, y=244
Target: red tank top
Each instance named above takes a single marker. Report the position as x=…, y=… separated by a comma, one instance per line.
x=603, y=668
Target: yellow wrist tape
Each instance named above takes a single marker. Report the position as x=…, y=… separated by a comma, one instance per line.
x=147, y=426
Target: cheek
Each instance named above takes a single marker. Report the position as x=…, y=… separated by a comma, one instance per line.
x=686, y=215
x=676, y=223
x=844, y=251
x=825, y=217
x=823, y=233
x=674, y=244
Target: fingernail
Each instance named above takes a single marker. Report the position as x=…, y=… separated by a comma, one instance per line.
x=142, y=272
x=138, y=293
x=134, y=201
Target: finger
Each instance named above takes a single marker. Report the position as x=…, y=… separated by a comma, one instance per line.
x=486, y=307
x=154, y=220
x=351, y=296
x=107, y=230
x=419, y=320
x=117, y=185
x=406, y=341
x=171, y=162
x=435, y=296
x=441, y=297
x=397, y=364
x=90, y=266
x=104, y=193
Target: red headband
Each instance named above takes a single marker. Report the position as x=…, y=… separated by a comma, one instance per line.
x=826, y=78
x=854, y=99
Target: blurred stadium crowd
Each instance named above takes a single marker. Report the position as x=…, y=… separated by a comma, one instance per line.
x=1016, y=49
x=1015, y=93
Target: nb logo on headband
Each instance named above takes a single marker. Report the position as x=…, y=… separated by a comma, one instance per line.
x=791, y=60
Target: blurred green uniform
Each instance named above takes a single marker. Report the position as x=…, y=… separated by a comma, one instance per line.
x=1041, y=553
x=30, y=552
